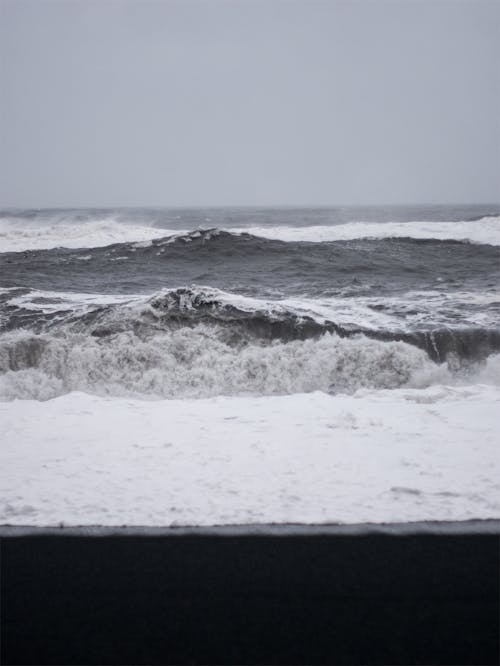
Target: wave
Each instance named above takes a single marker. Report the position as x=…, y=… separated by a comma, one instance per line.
x=262, y=267
x=246, y=317
x=485, y=231
x=242, y=319
x=200, y=363
x=87, y=230
x=17, y=236
x=200, y=343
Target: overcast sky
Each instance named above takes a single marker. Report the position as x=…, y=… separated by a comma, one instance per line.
x=242, y=102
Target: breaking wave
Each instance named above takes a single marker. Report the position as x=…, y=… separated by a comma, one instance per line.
x=44, y=230
x=201, y=343
x=198, y=363
x=483, y=231
x=16, y=236
x=240, y=319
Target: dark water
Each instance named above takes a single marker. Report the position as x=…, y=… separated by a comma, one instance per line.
x=217, y=294
x=260, y=267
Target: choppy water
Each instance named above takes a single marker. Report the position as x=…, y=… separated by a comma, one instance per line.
x=175, y=303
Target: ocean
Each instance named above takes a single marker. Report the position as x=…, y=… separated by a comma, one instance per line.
x=215, y=366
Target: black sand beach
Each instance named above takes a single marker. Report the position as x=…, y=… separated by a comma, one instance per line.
x=403, y=594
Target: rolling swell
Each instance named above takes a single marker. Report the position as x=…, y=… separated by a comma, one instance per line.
x=257, y=265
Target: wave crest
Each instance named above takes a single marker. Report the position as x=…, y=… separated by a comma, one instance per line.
x=239, y=320
x=93, y=229
x=483, y=231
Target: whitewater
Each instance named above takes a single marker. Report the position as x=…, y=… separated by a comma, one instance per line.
x=200, y=367
x=63, y=230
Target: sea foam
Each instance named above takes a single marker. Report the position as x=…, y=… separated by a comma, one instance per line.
x=483, y=231
x=201, y=362
x=17, y=236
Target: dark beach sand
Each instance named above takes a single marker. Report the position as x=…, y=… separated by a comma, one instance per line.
x=404, y=594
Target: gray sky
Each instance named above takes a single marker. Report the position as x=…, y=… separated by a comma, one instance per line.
x=241, y=102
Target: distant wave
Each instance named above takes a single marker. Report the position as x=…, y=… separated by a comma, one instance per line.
x=257, y=265
x=18, y=234
x=483, y=231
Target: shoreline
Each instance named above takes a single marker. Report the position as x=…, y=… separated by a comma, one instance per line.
x=487, y=526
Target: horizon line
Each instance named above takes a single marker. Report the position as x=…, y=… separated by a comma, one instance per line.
x=273, y=206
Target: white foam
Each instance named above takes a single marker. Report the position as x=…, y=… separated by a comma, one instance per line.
x=52, y=301
x=383, y=456
x=483, y=231
x=17, y=236
x=406, y=312
x=145, y=359
x=198, y=362
x=414, y=310
x=47, y=302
